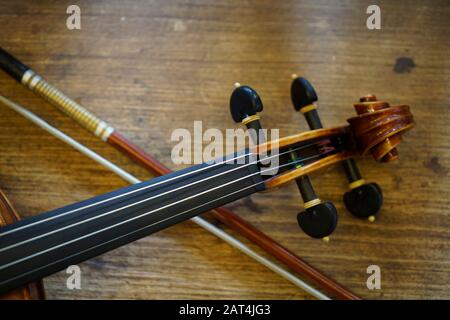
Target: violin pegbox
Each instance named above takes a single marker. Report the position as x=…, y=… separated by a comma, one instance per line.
x=364, y=200
x=376, y=129
x=319, y=219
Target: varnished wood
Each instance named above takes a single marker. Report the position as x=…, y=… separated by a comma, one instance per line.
x=378, y=127
x=293, y=174
x=149, y=68
x=302, y=137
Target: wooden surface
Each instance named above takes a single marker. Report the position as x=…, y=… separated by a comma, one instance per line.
x=150, y=67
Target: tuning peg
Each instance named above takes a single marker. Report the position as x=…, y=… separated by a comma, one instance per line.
x=303, y=98
x=318, y=221
x=364, y=200
x=319, y=218
x=245, y=103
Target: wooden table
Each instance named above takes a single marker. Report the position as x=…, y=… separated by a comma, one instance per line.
x=149, y=67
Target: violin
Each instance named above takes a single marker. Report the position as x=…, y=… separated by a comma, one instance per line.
x=30, y=291
x=38, y=246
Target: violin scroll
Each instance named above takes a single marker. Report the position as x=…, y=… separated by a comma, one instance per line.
x=378, y=127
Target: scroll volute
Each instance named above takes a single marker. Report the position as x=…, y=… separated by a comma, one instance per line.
x=378, y=127
x=33, y=291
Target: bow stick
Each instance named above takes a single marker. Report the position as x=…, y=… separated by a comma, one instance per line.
x=106, y=132
x=133, y=180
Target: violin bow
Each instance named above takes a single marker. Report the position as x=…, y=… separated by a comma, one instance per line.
x=133, y=180
x=107, y=133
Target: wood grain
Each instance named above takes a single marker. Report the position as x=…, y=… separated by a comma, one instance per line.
x=149, y=67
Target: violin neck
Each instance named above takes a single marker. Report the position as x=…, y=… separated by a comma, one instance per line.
x=39, y=246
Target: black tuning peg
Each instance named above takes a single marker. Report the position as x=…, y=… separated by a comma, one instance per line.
x=303, y=97
x=319, y=219
x=245, y=103
x=363, y=200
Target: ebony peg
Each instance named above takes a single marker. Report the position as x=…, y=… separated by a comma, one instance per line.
x=303, y=97
x=245, y=103
x=363, y=200
x=319, y=219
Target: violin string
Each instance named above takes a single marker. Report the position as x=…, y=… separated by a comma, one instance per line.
x=153, y=211
x=17, y=244
x=116, y=197
x=199, y=221
x=305, y=286
x=187, y=174
x=158, y=183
